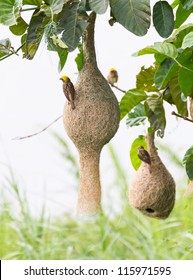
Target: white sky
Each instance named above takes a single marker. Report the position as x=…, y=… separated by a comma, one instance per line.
x=31, y=97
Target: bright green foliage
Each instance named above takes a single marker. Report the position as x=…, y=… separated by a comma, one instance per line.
x=188, y=41
x=145, y=79
x=139, y=141
x=98, y=6
x=188, y=162
x=181, y=16
x=130, y=100
x=155, y=113
x=166, y=49
x=187, y=4
x=163, y=18
x=32, y=2
x=9, y=11
x=5, y=47
x=20, y=27
x=133, y=15
x=80, y=58
x=137, y=116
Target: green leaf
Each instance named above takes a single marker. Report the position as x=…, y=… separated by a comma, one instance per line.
x=9, y=11
x=145, y=79
x=20, y=27
x=186, y=78
x=99, y=6
x=166, y=49
x=187, y=4
x=32, y=2
x=133, y=15
x=71, y=25
x=139, y=141
x=79, y=58
x=181, y=16
x=188, y=41
x=163, y=18
x=176, y=94
x=188, y=155
x=130, y=100
x=62, y=59
x=54, y=8
x=35, y=33
x=5, y=46
x=188, y=161
x=181, y=33
x=168, y=68
x=137, y=117
x=156, y=114
x=175, y=4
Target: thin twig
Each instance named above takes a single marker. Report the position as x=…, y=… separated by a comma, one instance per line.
x=123, y=91
x=42, y=130
x=180, y=116
x=13, y=52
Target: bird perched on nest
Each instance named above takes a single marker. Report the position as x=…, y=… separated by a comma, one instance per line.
x=69, y=91
x=112, y=77
x=144, y=156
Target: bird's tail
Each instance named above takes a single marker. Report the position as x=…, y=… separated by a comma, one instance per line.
x=72, y=104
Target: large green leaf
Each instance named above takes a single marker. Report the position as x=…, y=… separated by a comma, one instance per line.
x=186, y=78
x=133, y=15
x=156, y=114
x=168, y=68
x=188, y=161
x=166, y=49
x=139, y=141
x=54, y=8
x=99, y=6
x=187, y=4
x=35, y=33
x=20, y=27
x=32, y=2
x=137, y=117
x=71, y=25
x=63, y=54
x=9, y=11
x=181, y=16
x=163, y=18
x=145, y=79
x=130, y=100
x=176, y=94
x=181, y=33
x=188, y=41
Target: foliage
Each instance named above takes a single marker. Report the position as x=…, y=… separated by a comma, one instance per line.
x=127, y=235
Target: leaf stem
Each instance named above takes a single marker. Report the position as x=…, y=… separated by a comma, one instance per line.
x=183, y=117
x=28, y=9
x=182, y=66
x=12, y=52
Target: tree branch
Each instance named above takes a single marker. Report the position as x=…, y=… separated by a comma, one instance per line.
x=42, y=130
x=12, y=52
x=123, y=91
x=183, y=117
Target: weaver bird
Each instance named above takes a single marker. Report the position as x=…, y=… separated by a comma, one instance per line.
x=144, y=156
x=69, y=91
x=112, y=77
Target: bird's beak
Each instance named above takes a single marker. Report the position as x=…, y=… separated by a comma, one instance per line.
x=61, y=79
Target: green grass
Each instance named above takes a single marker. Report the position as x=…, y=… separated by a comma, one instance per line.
x=129, y=235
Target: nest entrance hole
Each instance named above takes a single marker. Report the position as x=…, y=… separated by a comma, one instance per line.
x=149, y=210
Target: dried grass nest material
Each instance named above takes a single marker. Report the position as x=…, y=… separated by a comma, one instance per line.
x=92, y=123
x=153, y=193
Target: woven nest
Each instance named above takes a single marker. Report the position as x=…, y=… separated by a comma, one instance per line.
x=189, y=190
x=153, y=193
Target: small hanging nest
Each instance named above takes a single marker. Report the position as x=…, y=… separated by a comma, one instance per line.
x=153, y=190
x=189, y=190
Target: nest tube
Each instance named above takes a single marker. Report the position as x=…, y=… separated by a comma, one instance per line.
x=92, y=123
x=153, y=193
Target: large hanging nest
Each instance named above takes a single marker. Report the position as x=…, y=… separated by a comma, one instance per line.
x=153, y=189
x=92, y=123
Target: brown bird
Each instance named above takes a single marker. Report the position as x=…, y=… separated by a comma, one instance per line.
x=144, y=156
x=112, y=77
x=69, y=91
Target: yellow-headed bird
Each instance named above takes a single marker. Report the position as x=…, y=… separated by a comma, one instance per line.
x=68, y=89
x=112, y=77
